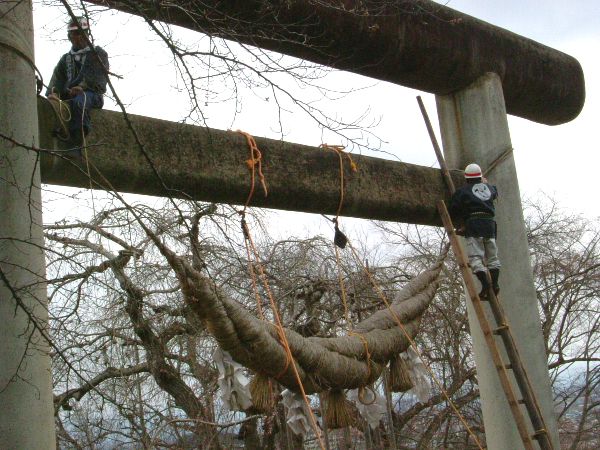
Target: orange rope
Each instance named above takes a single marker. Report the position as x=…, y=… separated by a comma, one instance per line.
x=339, y=149
x=342, y=284
x=284, y=342
x=253, y=275
x=253, y=163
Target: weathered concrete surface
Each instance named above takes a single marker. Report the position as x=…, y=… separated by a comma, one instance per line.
x=474, y=128
x=416, y=43
x=209, y=165
x=26, y=419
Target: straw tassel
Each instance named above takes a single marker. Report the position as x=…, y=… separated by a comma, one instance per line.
x=337, y=410
x=262, y=390
x=399, y=380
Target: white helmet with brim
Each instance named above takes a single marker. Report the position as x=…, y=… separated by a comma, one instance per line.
x=80, y=23
x=473, y=171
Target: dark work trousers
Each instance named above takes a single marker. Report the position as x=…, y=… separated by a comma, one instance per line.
x=79, y=125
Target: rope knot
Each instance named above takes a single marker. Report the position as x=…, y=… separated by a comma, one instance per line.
x=254, y=164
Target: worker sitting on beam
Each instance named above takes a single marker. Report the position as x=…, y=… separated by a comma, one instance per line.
x=80, y=79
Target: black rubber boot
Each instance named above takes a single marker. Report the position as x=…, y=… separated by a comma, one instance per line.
x=495, y=274
x=485, y=286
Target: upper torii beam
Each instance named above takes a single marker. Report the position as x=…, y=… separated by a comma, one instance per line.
x=416, y=43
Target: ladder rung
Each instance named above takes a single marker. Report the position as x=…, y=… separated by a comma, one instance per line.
x=521, y=402
x=508, y=366
x=500, y=329
x=539, y=433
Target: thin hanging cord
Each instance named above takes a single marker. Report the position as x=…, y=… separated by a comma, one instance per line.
x=339, y=150
x=383, y=297
x=255, y=164
x=85, y=155
x=254, y=161
x=283, y=340
x=210, y=51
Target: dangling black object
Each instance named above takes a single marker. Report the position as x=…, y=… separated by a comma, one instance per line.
x=339, y=238
x=245, y=228
x=39, y=84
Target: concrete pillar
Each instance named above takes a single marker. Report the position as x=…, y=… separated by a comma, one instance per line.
x=474, y=128
x=26, y=414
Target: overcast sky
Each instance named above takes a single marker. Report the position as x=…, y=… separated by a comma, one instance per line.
x=561, y=161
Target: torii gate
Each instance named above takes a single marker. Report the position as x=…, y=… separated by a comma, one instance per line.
x=479, y=72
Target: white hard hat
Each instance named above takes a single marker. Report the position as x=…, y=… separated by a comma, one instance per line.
x=78, y=23
x=473, y=171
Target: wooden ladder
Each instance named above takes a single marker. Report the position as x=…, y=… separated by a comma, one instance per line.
x=528, y=398
x=503, y=330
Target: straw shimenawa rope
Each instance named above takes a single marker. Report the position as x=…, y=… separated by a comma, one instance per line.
x=322, y=363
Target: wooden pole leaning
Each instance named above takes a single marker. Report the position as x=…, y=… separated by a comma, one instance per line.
x=436, y=147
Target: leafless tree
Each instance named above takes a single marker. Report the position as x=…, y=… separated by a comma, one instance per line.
x=566, y=262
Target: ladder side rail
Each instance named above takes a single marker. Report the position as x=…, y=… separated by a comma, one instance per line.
x=520, y=374
x=485, y=327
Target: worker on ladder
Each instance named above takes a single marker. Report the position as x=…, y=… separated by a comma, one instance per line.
x=472, y=207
